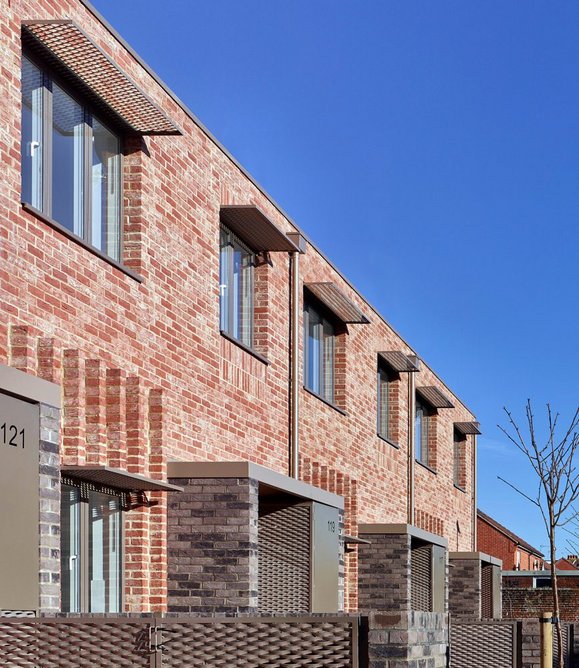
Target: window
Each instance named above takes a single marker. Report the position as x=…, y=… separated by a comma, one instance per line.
x=459, y=446
x=91, y=549
x=384, y=380
x=319, y=353
x=71, y=162
x=421, y=421
x=236, y=288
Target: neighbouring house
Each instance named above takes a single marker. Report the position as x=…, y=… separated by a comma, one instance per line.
x=567, y=563
x=198, y=411
x=500, y=542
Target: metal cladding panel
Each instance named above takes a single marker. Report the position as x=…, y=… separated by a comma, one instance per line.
x=19, y=503
x=421, y=578
x=253, y=227
x=75, y=56
x=70, y=644
x=343, y=308
x=483, y=645
x=434, y=397
x=295, y=643
x=118, y=479
x=326, y=558
x=486, y=594
x=168, y=642
x=467, y=428
x=398, y=361
x=284, y=561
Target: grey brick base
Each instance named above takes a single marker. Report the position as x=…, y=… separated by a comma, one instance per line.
x=212, y=546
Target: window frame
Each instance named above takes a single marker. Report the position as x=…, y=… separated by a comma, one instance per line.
x=327, y=348
x=45, y=211
x=227, y=316
x=422, y=449
x=84, y=556
x=383, y=387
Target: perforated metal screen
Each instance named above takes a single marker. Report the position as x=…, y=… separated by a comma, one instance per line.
x=421, y=577
x=491, y=644
x=566, y=649
x=284, y=559
x=486, y=591
x=254, y=642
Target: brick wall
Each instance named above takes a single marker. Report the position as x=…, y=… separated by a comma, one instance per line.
x=212, y=537
x=464, y=591
x=384, y=572
x=147, y=377
x=497, y=544
x=411, y=640
x=523, y=603
x=49, y=553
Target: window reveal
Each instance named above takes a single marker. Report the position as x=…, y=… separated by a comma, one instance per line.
x=236, y=288
x=319, y=354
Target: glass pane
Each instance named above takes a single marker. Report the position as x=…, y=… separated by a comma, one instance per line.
x=328, y=362
x=106, y=191
x=67, y=161
x=32, y=143
x=241, y=295
x=70, y=548
x=105, y=552
x=313, y=351
x=418, y=433
x=225, y=260
x=246, y=299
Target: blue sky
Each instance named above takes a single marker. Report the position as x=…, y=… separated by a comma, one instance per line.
x=431, y=150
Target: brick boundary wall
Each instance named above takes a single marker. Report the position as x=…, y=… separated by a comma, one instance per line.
x=526, y=603
x=408, y=640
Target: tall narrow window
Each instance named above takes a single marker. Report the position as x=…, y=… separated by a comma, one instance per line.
x=421, y=433
x=319, y=352
x=71, y=162
x=67, y=168
x=105, y=552
x=383, y=426
x=32, y=144
x=70, y=548
x=236, y=286
x=106, y=195
x=91, y=550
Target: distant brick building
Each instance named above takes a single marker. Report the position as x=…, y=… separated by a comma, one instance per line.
x=500, y=542
x=188, y=370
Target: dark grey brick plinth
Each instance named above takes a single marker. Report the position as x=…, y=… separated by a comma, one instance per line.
x=212, y=545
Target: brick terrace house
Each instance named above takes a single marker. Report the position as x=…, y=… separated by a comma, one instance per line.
x=191, y=394
x=498, y=541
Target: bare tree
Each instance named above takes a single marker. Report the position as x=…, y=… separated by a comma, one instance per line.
x=552, y=459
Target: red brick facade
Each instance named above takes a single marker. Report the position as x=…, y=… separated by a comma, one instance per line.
x=499, y=542
x=146, y=376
